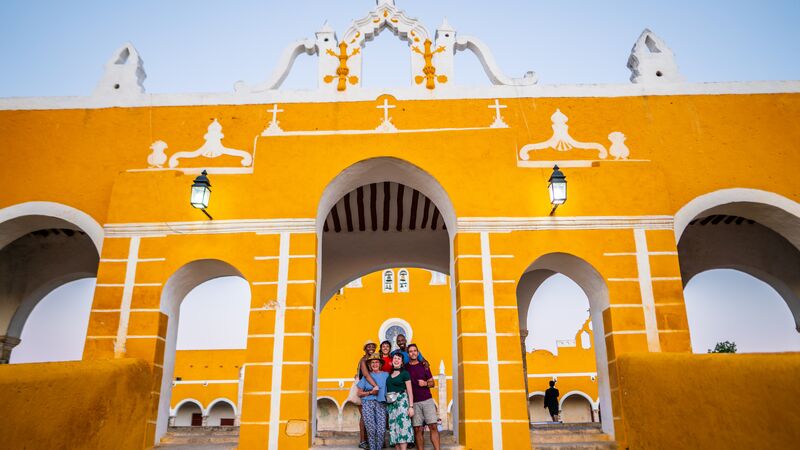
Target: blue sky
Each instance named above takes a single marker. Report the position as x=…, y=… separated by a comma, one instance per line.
x=55, y=48
x=59, y=48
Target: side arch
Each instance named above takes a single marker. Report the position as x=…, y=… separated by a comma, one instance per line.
x=214, y=402
x=173, y=411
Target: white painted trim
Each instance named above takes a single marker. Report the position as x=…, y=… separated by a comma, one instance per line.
x=646, y=290
x=277, y=348
x=212, y=403
x=611, y=333
x=634, y=254
x=265, y=226
x=59, y=211
x=593, y=403
x=127, y=297
x=174, y=411
x=175, y=382
x=325, y=397
x=404, y=93
x=563, y=374
x=707, y=201
x=507, y=224
x=491, y=342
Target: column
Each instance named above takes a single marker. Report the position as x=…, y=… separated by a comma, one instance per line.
x=276, y=400
x=7, y=343
x=493, y=413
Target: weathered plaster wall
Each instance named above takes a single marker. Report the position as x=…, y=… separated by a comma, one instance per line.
x=685, y=401
x=75, y=405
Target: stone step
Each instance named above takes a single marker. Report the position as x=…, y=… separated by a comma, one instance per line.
x=182, y=440
x=589, y=445
x=345, y=439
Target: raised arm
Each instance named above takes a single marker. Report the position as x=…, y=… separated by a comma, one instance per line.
x=365, y=373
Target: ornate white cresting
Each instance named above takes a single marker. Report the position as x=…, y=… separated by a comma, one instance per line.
x=339, y=65
x=123, y=75
x=651, y=61
x=212, y=148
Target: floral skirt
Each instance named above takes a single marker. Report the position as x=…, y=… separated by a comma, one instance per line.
x=400, y=429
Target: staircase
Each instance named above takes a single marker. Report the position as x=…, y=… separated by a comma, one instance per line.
x=341, y=440
x=200, y=438
x=570, y=436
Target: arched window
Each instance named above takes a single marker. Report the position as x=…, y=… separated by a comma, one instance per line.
x=388, y=281
x=402, y=280
x=394, y=327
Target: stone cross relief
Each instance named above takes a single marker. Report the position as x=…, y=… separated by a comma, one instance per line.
x=562, y=141
x=212, y=148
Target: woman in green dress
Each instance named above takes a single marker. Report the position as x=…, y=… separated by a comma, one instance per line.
x=401, y=410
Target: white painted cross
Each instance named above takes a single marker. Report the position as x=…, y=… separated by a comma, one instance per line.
x=386, y=107
x=275, y=112
x=497, y=107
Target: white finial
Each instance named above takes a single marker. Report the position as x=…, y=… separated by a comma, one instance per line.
x=384, y=2
x=124, y=73
x=326, y=28
x=441, y=366
x=445, y=26
x=651, y=60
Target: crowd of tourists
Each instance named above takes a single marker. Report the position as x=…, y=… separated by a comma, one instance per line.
x=394, y=389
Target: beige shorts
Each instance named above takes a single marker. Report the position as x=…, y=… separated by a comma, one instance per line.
x=424, y=413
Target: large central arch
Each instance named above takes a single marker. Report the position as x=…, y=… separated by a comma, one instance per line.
x=388, y=213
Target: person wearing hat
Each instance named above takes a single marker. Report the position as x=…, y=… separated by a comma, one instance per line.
x=373, y=402
x=363, y=373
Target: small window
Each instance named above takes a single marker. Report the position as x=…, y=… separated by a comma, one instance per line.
x=402, y=280
x=388, y=281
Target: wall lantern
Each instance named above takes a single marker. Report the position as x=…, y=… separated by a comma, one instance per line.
x=201, y=193
x=558, y=189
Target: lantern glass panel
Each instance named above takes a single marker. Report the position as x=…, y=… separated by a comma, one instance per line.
x=558, y=192
x=200, y=196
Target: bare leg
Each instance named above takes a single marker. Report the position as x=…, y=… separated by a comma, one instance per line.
x=419, y=434
x=434, y=435
x=400, y=446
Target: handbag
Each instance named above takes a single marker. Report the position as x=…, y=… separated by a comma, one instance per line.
x=353, y=397
x=391, y=397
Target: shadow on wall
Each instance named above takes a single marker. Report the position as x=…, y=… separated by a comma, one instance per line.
x=716, y=401
x=83, y=404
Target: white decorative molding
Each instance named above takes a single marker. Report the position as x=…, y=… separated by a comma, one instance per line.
x=357, y=283
x=285, y=64
x=403, y=280
x=212, y=148
x=491, y=68
x=561, y=140
x=652, y=61
x=157, y=158
x=506, y=224
x=438, y=278
x=387, y=281
x=498, y=118
x=159, y=229
x=386, y=125
x=273, y=128
x=124, y=74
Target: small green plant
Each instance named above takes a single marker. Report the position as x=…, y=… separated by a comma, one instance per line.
x=724, y=347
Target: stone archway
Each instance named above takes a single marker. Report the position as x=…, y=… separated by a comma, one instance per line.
x=594, y=286
x=377, y=214
x=43, y=245
x=175, y=290
x=755, y=232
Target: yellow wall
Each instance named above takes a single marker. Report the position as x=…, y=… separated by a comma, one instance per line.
x=75, y=405
x=714, y=401
x=207, y=365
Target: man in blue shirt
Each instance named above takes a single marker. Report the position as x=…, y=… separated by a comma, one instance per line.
x=401, y=344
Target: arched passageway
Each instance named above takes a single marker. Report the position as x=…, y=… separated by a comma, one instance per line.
x=576, y=407
x=43, y=246
x=327, y=415
x=176, y=289
x=536, y=410
x=189, y=414
x=221, y=413
x=750, y=231
x=596, y=290
x=382, y=213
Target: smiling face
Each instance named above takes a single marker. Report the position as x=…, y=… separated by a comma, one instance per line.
x=401, y=341
x=413, y=353
x=369, y=348
x=375, y=365
x=386, y=348
x=397, y=361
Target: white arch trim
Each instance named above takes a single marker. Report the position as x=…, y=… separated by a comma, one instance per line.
x=214, y=402
x=326, y=397
x=174, y=411
x=535, y=393
x=59, y=211
x=723, y=196
x=594, y=404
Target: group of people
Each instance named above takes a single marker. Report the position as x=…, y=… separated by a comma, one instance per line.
x=395, y=383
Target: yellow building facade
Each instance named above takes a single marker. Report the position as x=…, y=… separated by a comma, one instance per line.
x=312, y=190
